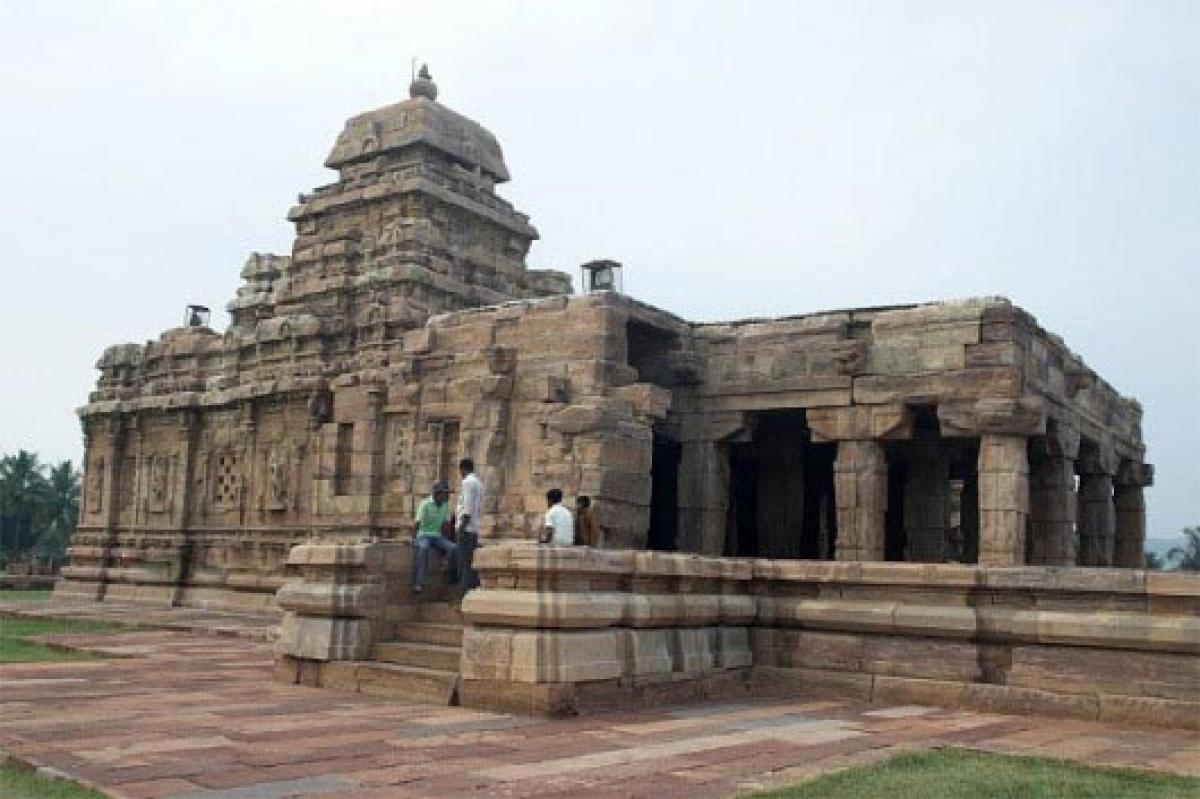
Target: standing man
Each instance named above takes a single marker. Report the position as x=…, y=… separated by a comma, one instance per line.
x=431, y=517
x=559, y=527
x=470, y=508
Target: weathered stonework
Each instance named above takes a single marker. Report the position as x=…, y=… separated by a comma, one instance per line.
x=278, y=465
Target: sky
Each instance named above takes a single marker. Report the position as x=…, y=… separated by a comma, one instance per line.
x=739, y=158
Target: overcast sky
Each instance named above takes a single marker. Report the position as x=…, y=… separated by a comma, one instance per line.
x=741, y=159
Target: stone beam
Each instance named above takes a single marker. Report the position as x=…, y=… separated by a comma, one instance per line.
x=1025, y=416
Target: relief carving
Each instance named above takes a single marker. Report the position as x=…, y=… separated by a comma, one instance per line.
x=158, y=482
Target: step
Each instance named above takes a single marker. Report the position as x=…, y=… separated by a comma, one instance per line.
x=415, y=632
x=439, y=613
x=408, y=682
x=424, y=656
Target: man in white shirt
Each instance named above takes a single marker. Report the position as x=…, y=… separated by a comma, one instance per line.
x=470, y=509
x=559, y=526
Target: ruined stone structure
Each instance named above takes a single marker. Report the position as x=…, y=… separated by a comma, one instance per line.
x=405, y=331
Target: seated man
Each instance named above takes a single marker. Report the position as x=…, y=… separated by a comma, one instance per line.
x=432, y=515
x=559, y=526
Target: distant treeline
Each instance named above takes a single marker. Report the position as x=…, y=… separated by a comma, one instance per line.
x=39, y=507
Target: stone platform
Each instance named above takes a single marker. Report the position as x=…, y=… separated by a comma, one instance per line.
x=564, y=630
x=180, y=715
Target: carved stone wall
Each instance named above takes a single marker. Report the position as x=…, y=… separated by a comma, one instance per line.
x=404, y=332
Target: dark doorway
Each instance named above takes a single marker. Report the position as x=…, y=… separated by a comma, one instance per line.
x=741, y=539
x=664, y=494
x=819, y=539
x=895, y=539
x=781, y=500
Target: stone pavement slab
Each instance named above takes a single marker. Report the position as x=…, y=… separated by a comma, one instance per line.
x=185, y=715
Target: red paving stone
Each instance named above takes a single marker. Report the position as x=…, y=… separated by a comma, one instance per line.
x=199, y=717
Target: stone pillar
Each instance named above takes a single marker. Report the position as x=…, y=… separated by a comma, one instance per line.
x=1003, y=499
x=860, y=489
x=703, y=497
x=1052, y=512
x=1097, y=520
x=1129, y=504
x=927, y=503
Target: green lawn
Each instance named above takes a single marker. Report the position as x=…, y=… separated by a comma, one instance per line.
x=20, y=782
x=8, y=594
x=964, y=774
x=14, y=648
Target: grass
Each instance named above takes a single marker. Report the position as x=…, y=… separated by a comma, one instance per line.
x=21, y=782
x=31, y=596
x=16, y=648
x=965, y=774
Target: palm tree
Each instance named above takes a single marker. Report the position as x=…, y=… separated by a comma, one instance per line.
x=1187, y=557
x=61, y=512
x=23, y=498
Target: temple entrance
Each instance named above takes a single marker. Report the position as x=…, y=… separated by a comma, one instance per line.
x=664, y=493
x=781, y=501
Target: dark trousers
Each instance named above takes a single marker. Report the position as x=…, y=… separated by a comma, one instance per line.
x=421, y=546
x=468, y=578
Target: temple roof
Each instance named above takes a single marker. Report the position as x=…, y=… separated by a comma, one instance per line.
x=419, y=120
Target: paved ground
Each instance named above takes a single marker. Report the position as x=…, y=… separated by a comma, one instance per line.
x=180, y=715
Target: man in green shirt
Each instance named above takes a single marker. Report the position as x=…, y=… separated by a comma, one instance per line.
x=432, y=514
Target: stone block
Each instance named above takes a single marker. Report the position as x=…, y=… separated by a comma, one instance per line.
x=509, y=697
x=823, y=684
x=549, y=609
x=1149, y=711
x=922, y=658
x=565, y=657
x=330, y=600
x=654, y=610
x=694, y=650
x=732, y=648
x=486, y=653
x=647, y=652
x=935, y=621
x=340, y=676
x=324, y=639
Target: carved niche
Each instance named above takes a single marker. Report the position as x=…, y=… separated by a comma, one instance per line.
x=158, y=482
x=282, y=462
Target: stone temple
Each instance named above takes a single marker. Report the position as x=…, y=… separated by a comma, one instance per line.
x=937, y=502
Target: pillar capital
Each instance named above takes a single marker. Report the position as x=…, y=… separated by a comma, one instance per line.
x=1024, y=416
x=1098, y=459
x=1131, y=474
x=860, y=422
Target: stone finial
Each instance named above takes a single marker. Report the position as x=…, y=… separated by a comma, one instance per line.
x=423, y=86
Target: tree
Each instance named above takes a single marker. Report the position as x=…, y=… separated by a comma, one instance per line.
x=1187, y=557
x=61, y=512
x=23, y=502
x=1153, y=560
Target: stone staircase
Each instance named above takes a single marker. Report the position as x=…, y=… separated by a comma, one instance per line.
x=419, y=658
